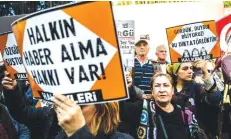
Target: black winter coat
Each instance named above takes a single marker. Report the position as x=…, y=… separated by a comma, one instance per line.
x=84, y=133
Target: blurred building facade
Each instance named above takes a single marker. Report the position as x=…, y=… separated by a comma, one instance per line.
x=11, y=8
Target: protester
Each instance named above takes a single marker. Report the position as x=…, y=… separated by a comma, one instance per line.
x=99, y=121
x=159, y=118
x=202, y=99
x=143, y=69
x=11, y=129
x=2, y=70
x=161, y=54
x=42, y=122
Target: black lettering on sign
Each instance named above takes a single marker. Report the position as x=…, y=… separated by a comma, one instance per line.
x=46, y=77
x=45, y=34
x=100, y=48
x=83, y=97
x=38, y=57
x=11, y=50
x=65, y=54
x=38, y=35
x=62, y=28
x=201, y=27
x=14, y=61
x=82, y=75
x=79, y=51
x=70, y=74
x=128, y=33
x=183, y=30
x=54, y=31
x=91, y=72
x=174, y=45
x=84, y=51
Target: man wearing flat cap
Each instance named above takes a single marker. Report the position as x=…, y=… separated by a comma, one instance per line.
x=143, y=68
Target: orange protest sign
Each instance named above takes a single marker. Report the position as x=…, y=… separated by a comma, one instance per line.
x=11, y=56
x=193, y=41
x=72, y=50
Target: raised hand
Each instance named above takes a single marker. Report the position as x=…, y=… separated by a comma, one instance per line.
x=8, y=83
x=70, y=116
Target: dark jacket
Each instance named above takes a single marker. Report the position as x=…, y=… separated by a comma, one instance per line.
x=11, y=129
x=131, y=113
x=84, y=133
x=42, y=122
x=204, y=103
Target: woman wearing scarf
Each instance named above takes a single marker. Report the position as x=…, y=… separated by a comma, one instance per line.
x=159, y=118
x=200, y=95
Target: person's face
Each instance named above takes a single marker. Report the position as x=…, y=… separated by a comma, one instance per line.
x=162, y=90
x=88, y=112
x=142, y=49
x=203, y=51
x=195, y=53
x=162, y=53
x=185, y=72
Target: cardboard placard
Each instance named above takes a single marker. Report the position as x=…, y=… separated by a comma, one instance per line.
x=11, y=56
x=126, y=37
x=73, y=50
x=193, y=41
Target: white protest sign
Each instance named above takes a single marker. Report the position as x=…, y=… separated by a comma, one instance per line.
x=193, y=41
x=126, y=37
x=11, y=56
x=74, y=53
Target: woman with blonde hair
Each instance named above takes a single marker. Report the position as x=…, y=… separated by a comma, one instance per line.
x=99, y=121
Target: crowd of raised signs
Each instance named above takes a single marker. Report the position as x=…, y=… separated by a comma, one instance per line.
x=188, y=100
x=167, y=101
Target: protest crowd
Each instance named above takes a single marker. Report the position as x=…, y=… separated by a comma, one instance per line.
x=188, y=98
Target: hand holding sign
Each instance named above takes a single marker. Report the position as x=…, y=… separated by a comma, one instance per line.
x=8, y=83
x=70, y=116
x=129, y=80
x=201, y=64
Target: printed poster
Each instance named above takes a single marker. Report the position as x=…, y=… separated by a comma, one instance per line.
x=12, y=59
x=75, y=53
x=126, y=38
x=193, y=41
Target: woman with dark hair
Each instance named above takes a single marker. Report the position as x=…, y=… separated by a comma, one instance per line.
x=195, y=52
x=202, y=99
x=186, y=54
x=203, y=51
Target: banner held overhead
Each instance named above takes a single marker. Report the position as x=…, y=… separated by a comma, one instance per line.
x=75, y=53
